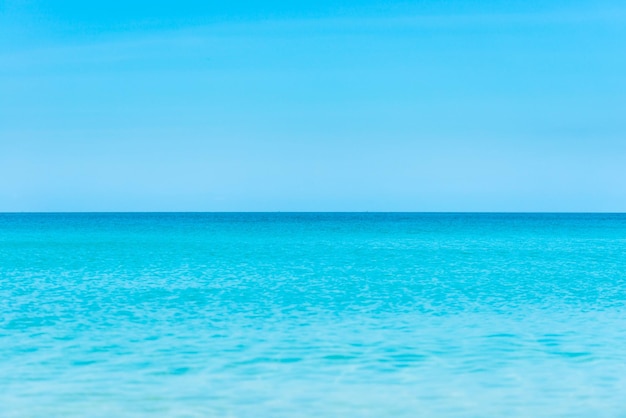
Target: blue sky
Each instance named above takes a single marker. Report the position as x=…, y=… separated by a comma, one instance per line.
x=320, y=106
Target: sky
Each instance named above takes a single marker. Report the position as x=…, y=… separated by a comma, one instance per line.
x=313, y=105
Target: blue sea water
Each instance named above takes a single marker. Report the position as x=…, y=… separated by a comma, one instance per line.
x=313, y=315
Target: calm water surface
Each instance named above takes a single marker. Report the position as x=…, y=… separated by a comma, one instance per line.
x=311, y=315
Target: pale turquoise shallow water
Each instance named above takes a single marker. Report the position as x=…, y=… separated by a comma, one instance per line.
x=272, y=315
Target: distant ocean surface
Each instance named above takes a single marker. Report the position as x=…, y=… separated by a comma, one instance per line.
x=313, y=315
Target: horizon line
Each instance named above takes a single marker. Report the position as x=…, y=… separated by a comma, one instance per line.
x=316, y=212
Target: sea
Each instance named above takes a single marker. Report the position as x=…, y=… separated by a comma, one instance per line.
x=312, y=315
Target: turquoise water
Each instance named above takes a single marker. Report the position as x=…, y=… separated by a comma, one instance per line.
x=290, y=315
